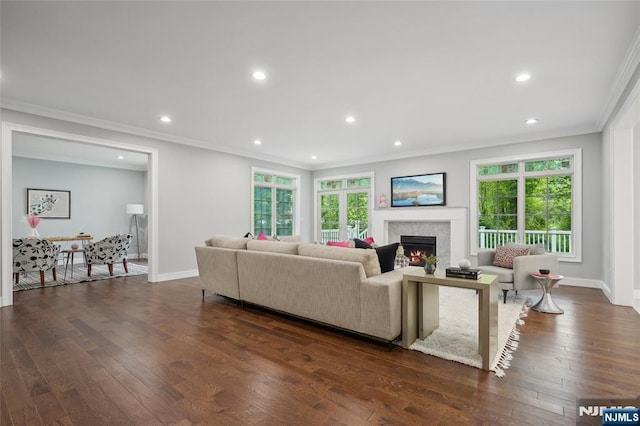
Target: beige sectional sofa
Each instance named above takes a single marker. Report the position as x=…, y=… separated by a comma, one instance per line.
x=341, y=287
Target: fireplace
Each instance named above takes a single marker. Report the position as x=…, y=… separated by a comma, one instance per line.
x=416, y=246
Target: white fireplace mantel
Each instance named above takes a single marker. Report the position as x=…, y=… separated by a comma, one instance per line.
x=456, y=216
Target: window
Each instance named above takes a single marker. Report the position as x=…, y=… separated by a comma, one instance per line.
x=343, y=206
x=532, y=199
x=275, y=203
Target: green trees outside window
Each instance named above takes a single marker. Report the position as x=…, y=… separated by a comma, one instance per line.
x=344, y=206
x=528, y=202
x=274, y=203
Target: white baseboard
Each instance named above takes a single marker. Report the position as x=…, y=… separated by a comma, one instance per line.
x=587, y=283
x=176, y=275
x=607, y=292
x=582, y=282
x=636, y=300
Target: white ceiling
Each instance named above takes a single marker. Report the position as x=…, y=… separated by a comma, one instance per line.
x=436, y=75
x=45, y=148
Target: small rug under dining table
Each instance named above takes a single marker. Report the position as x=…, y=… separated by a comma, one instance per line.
x=31, y=280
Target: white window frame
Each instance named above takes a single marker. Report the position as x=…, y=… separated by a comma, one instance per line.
x=317, y=191
x=273, y=185
x=576, y=208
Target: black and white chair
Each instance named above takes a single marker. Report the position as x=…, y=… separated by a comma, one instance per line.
x=108, y=251
x=34, y=254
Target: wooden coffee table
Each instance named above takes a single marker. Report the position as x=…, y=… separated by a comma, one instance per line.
x=421, y=311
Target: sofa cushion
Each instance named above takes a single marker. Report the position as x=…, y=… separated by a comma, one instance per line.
x=290, y=238
x=534, y=249
x=273, y=246
x=368, y=258
x=344, y=244
x=387, y=256
x=262, y=237
x=362, y=244
x=224, y=241
x=504, y=255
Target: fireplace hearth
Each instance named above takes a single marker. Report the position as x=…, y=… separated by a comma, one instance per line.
x=416, y=246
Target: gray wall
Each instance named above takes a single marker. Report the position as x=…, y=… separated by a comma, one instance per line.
x=456, y=164
x=200, y=192
x=99, y=196
x=203, y=192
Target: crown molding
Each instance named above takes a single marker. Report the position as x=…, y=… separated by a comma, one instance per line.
x=477, y=144
x=623, y=77
x=441, y=149
x=70, y=159
x=28, y=108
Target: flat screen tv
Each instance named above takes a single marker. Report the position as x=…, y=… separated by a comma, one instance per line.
x=419, y=190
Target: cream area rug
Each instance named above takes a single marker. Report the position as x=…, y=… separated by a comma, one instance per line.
x=98, y=272
x=456, y=338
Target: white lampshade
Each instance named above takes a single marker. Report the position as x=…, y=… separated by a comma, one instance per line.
x=135, y=209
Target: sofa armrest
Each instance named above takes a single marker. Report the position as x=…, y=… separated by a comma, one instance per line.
x=485, y=257
x=218, y=269
x=381, y=297
x=523, y=266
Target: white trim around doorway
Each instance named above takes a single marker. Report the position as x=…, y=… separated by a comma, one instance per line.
x=6, y=180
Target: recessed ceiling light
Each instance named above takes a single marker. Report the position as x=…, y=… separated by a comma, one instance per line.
x=314, y=157
x=397, y=143
x=119, y=157
x=350, y=119
x=165, y=119
x=259, y=75
x=531, y=121
x=525, y=76
x=257, y=142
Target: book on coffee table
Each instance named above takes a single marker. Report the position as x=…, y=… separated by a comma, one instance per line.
x=471, y=274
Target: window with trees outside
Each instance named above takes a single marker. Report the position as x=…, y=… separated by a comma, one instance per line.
x=530, y=199
x=343, y=207
x=274, y=202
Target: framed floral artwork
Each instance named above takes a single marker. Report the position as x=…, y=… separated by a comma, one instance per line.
x=49, y=203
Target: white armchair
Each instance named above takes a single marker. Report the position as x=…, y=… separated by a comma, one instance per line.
x=519, y=277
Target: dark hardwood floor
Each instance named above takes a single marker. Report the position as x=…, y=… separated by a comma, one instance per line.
x=124, y=352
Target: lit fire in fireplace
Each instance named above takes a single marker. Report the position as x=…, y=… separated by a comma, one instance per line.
x=415, y=257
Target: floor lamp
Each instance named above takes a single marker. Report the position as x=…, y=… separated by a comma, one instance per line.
x=135, y=210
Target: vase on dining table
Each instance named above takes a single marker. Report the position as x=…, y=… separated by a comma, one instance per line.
x=33, y=222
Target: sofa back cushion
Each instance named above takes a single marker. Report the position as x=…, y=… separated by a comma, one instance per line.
x=367, y=258
x=223, y=241
x=344, y=244
x=273, y=246
x=533, y=248
x=290, y=238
